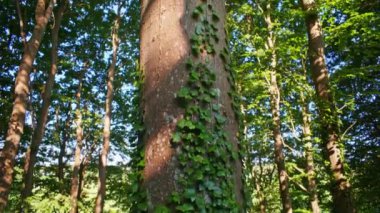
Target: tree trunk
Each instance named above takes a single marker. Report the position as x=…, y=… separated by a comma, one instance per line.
x=276, y=120
x=166, y=29
x=62, y=150
x=107, y=118
x=342, y=201
x=17, y=120
x=312, y=186
x=31, y=154
x=82, y=171
x=78, y=149
x=259, y=191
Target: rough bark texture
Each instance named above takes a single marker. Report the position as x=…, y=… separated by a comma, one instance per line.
x=311, y=183
x=17, y=120
x=31, y=154
x=78, y=148
x=107, y=119
x=165, y=31
x=342, y=201
x=276, y=120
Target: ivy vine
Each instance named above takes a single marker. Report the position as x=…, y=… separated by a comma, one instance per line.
x=206, y=177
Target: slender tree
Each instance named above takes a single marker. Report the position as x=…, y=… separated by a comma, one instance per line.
x=190, y=138
x=342, y=201
x=77, y=154
x=311, y=182
x=275, y=97
x=306, y=138
x=107, y=118
x=31, y=154
x=62, y=146
x=17, y=121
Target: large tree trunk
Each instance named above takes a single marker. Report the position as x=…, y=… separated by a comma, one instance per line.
x=31, y=154
x=342, y=201
x=107, y=118
x=276, y=120
x=311, y=183
x=17, y=120
x=166, y=29
x=78, y=149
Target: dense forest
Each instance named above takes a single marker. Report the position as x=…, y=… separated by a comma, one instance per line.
x=190, y=106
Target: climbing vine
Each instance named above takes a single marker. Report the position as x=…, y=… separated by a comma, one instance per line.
x=137, y=197
x=205, y=155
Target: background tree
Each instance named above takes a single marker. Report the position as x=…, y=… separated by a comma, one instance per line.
x=21, y=91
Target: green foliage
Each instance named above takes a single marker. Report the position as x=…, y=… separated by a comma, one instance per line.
x=206, y=177
x=351, y=35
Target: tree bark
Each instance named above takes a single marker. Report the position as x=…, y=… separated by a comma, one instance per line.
x=31, y=154
x=342, y=200
x=166, y=27
x=78, y=149
x=62, y=150
x=82, y=170
x=310, y=171
x=17, y=120
x=259, y=191
x=276, y=119
x=107, y=118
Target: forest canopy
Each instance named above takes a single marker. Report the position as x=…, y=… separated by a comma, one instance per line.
x=190, y=106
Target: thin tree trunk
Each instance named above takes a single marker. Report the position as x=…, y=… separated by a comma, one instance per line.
x=260, y=194
x=107, y=118
x=276, y=120
x=78, y=149
x=62, y=148
x=310, y=171
x=31, y=154
x=82, y=169
x=17, y=120
x=82, y=172
x=62, y=151
x=342, y=200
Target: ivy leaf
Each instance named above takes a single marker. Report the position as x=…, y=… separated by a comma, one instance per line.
x=184, y=93
x=198, y=159
x=220, y=119
x=194, y=75
x=175, y=197
x=185, y=208
x=142, y=206
x=210, y=185
x=206, y=98
x=161, y=209
x=199, y=29
x=176, y=138
x=210, y=49
x=215, y=17
x=195, y=50
x=215, y=92
x=186, y=124
x=189, y=64
x=216, y=107
x=190, y=194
